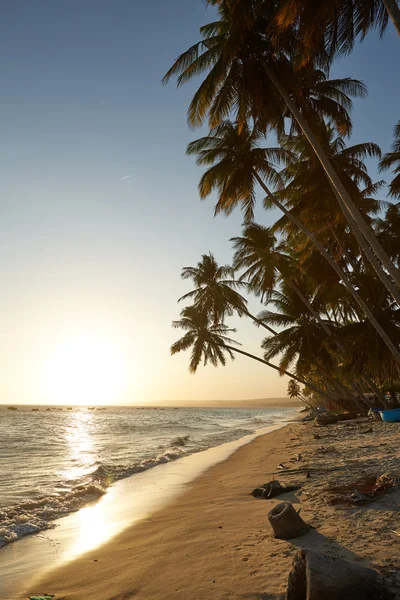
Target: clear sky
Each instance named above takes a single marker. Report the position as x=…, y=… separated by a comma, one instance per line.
x=99, y=204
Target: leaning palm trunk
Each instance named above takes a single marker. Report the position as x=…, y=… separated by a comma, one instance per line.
x=374, y=388
x=304, y=400
x=312, y=387
x=394, y=13
x=324, y=327
x=310, y=307
x=342, y=389
x=334, y=178
x=336, y=392
x=344, y=250
x=258, y=322
x=393, y=290
x=336, y=268
x=357, y=399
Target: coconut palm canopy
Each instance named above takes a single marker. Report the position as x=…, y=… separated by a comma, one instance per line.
x=214, y=291
x=326, y=271
x=207, y=340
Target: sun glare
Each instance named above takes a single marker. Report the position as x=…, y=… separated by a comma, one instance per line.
x=84, y=370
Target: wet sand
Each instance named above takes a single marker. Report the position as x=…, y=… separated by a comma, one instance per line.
x=125, y=503
x=214, y=541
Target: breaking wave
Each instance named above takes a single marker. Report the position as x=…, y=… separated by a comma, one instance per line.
x=125, y=445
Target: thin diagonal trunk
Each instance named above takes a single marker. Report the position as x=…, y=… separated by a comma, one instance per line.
x=394, y=13
x=319, y=320
x=328, y=387
x=336, y=268
x=342, y=387
x=334, y=178
x=258, y=322
x=344, y=250
x=390, y=286
x=374, y=388
x=304, y=400
x=309, y=306
x=324, y=327
x=265, y=362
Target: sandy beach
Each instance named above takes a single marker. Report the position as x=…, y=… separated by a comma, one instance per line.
x=214, y=540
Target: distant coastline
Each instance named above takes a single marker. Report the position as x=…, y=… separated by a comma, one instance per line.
x=284, y=402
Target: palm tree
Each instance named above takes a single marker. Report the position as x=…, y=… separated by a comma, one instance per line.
x=209, y=341
x=310, y=192
x=294, y=391
x=237, y=164
x=233, y=156
x=388, y=230
x=366, y=355
x=392, y=159
x=303, y=342
x=262, y=261
x=265, y=264
x=333, y=26
x=242, y=61
x=215, y=292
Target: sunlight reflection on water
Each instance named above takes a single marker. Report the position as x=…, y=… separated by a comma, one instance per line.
x=78, y=436
x=94, y=527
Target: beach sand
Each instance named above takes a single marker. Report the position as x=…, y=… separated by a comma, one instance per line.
x=214, y=541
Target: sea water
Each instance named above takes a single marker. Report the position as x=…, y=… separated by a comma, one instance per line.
x=54, y=462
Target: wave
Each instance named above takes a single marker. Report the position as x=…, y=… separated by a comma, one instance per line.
x=32, y=516
x=36, y=515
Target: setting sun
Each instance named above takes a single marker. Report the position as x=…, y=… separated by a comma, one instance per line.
x=86, y=369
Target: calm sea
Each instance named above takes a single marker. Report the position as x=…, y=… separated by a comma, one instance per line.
x=53, y=462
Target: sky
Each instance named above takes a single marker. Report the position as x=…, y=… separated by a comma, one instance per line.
x=99, y=206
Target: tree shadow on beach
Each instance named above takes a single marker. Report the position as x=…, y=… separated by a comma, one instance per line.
x=313, y=540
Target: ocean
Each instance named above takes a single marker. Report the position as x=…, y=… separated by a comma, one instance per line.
x=55, y=461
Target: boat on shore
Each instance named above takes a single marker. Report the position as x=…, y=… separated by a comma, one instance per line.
x=390, y=416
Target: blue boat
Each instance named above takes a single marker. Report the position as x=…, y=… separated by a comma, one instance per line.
x=390, y=416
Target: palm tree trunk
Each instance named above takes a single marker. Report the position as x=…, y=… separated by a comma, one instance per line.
x=258, y=322
x=334, y=178
x=345, y=251
x=311, y=309
x=325, y=328
x=303, y=400
x=336, y=268
x=265, y=362
x=368, y=252
x=374, y=388
x=306, y=402
x=394, y=13
x=309, y=306
x=343, y=389
x=314, y=313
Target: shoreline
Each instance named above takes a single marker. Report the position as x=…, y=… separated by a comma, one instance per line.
x=214, y=540
x=71, y=482
x=164, y=524
x=125, y=503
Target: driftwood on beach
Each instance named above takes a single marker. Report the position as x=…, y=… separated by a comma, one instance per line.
x=272, y=489
x=286, y=522
x=317, y=576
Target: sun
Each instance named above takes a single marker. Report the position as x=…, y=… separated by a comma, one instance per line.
x=85, y=369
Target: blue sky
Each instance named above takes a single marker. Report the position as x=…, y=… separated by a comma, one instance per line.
x=84, y=251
